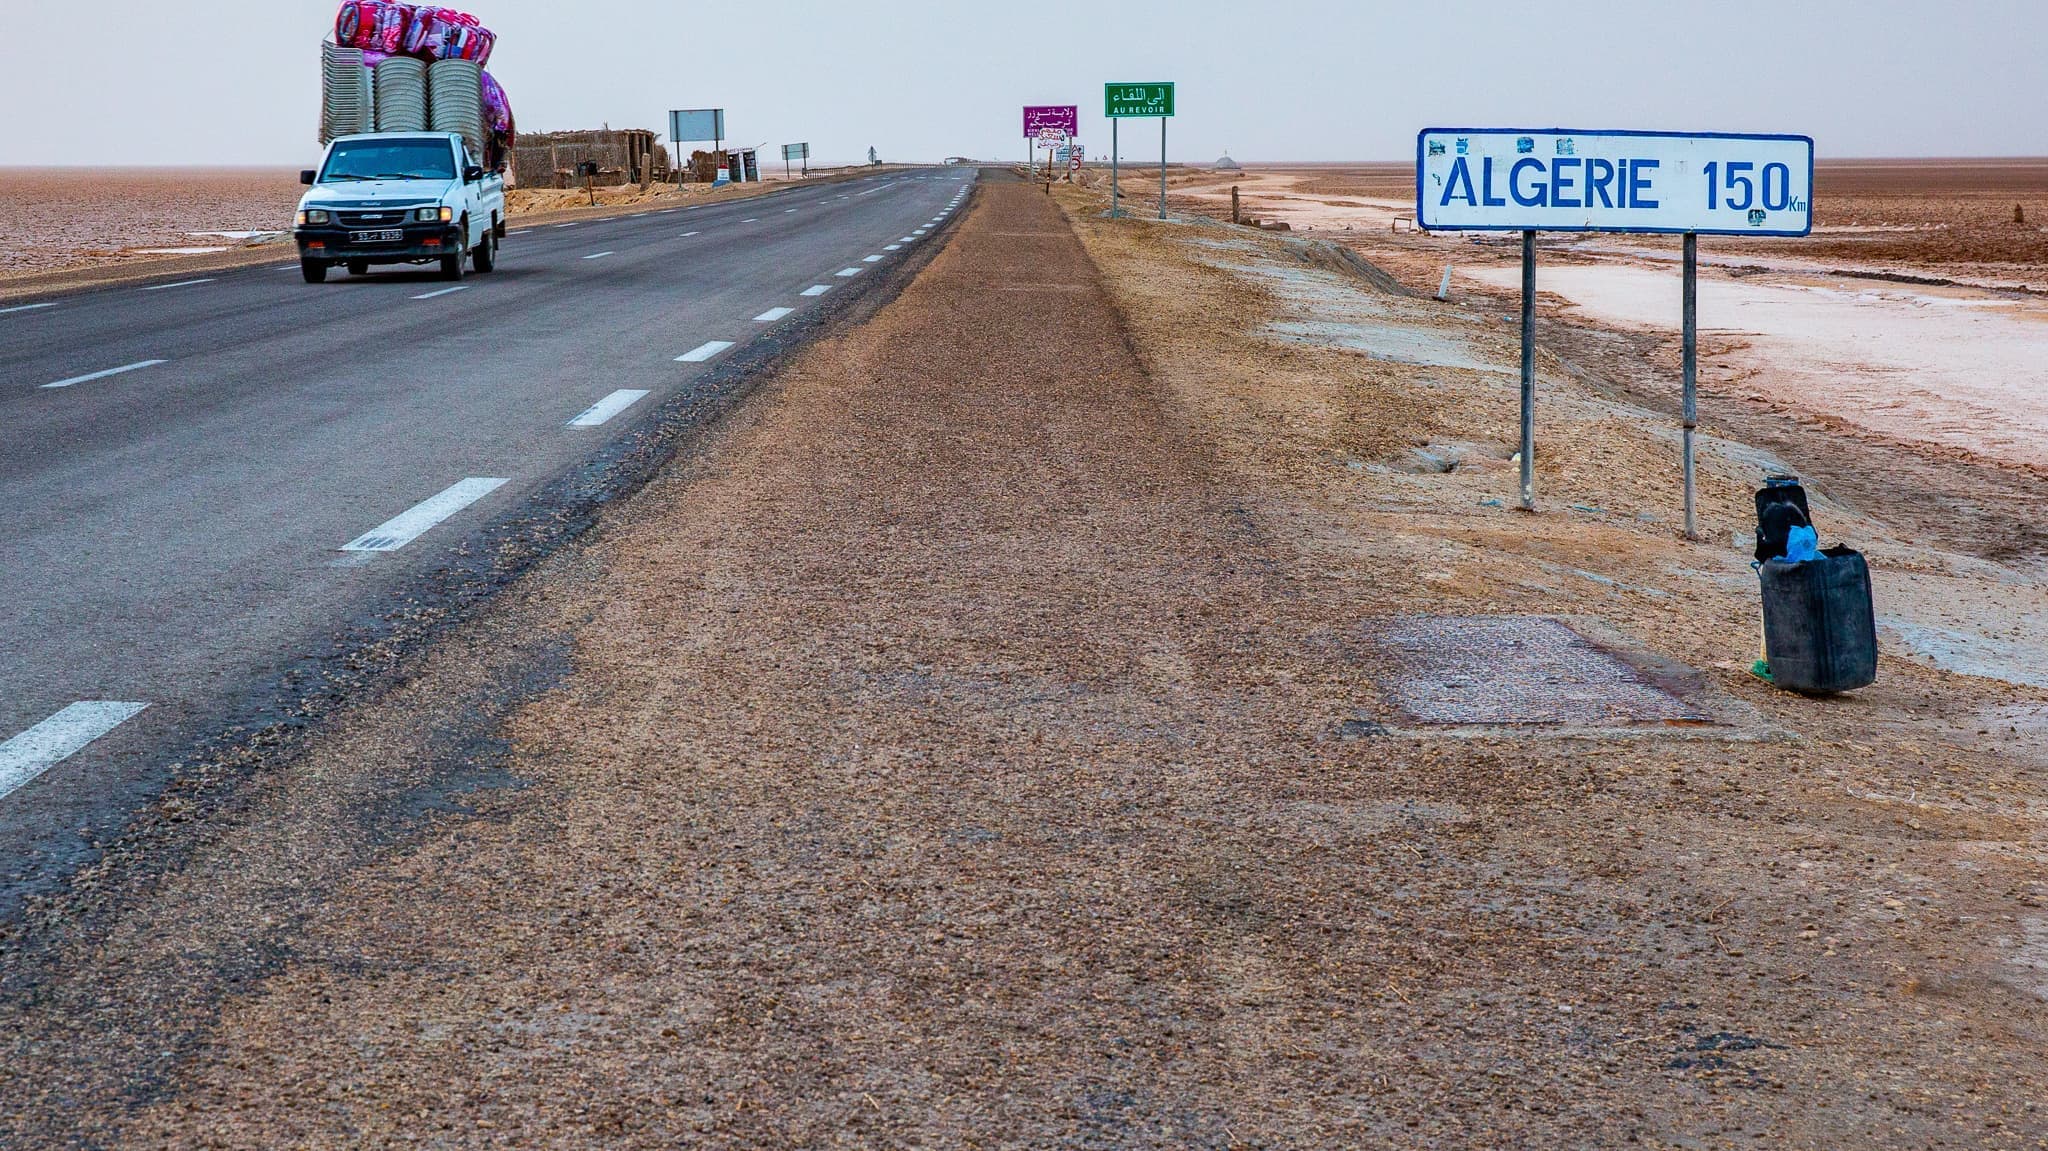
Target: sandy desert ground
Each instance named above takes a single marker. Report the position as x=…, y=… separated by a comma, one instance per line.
x=61, y=219
x=1914, y=313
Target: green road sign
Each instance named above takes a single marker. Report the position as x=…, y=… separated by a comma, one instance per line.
x=1123, y=100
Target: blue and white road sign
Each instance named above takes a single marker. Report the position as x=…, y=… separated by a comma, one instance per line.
x=1556, y=180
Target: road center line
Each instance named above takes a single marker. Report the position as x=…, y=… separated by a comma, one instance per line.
x=597, y=255
x=411, y=523
x=179, y=284
x=608, y=407
x=101, y=375
x=817, y=289
x=443, y=292
x=772, y=315
x=58, y=738
x=703, y=351
x=33, y=307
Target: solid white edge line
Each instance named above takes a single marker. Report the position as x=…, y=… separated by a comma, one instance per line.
x=773, y=314
x=703, y=351
x=415, y=521
x=27, y=307
x=101, y=375
x=816, y=290
x=597, y=255
x=443, y=292
x=58, y=738
x=603, y=410
x=179, y=284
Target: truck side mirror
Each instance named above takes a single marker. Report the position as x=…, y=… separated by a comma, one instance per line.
x=306, y=175
x=472, y=174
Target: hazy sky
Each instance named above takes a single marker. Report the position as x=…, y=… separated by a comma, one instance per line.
x=237, y=81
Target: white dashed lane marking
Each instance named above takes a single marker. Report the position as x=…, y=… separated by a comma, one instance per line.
x=604, y=409
x=817, y=289
x=413, y=522
x=687, y=235
x=703, y=351
x=848, y=272
x=179, y=284
x=772, y=315
x=101, y=375
x=871, y=259
x=597, y=255
x=443, y=292
x=58, y=738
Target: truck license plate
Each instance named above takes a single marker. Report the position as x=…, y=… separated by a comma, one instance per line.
x=385, y=236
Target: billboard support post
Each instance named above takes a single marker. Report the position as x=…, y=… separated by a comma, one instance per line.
x=1162, y=167
x=1690, y=370
x=1116, y=209
x=1529, y=370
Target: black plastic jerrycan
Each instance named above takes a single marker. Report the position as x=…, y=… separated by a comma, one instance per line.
x=1820, y=624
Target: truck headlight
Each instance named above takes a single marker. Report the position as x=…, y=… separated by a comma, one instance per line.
x=431, y=215
x=312, y=216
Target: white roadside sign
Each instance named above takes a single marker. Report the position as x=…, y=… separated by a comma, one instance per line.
x=1555, y=180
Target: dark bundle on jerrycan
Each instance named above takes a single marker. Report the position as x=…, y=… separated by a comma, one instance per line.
x=1820, y=625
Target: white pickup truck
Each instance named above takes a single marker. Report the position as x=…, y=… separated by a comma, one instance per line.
x=399, y=198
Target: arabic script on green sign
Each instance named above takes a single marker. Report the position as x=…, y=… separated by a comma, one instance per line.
x=1137, y=100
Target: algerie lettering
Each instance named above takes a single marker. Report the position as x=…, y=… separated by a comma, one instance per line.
x=1563, y=182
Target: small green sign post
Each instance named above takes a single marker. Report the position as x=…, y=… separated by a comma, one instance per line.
x=1121, y=101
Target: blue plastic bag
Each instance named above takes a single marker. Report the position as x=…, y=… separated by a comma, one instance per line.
x=1801, y=544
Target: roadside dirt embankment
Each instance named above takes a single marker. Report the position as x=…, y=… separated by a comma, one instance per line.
x=1100, y=703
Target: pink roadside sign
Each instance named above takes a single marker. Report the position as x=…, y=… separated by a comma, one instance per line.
x=1059, y=117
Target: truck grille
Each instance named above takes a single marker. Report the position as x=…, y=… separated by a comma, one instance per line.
x=389, y=218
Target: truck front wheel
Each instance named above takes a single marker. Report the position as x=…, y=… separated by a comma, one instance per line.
x=486, y=255
x=315, y=271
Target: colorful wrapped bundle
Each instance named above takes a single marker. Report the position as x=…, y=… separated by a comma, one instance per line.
x=372, y=25
x=445, y=34
x=497, y=109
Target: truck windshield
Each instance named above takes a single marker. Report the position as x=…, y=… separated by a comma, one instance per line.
x=390, y=160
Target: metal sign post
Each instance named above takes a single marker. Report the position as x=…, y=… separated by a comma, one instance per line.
x=1116, y=208
x=1529, y=370
x=1137, y=100
x=1162, y=167
x=1690, y=371
x=1553, y=179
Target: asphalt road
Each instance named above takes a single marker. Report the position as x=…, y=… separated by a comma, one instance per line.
x=203, y=479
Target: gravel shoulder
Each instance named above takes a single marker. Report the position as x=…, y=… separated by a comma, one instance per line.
x=984, y=741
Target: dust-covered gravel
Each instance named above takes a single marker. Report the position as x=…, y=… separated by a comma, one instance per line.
x=967, y=750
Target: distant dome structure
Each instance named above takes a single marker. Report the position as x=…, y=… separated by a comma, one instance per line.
x=1226, y=164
